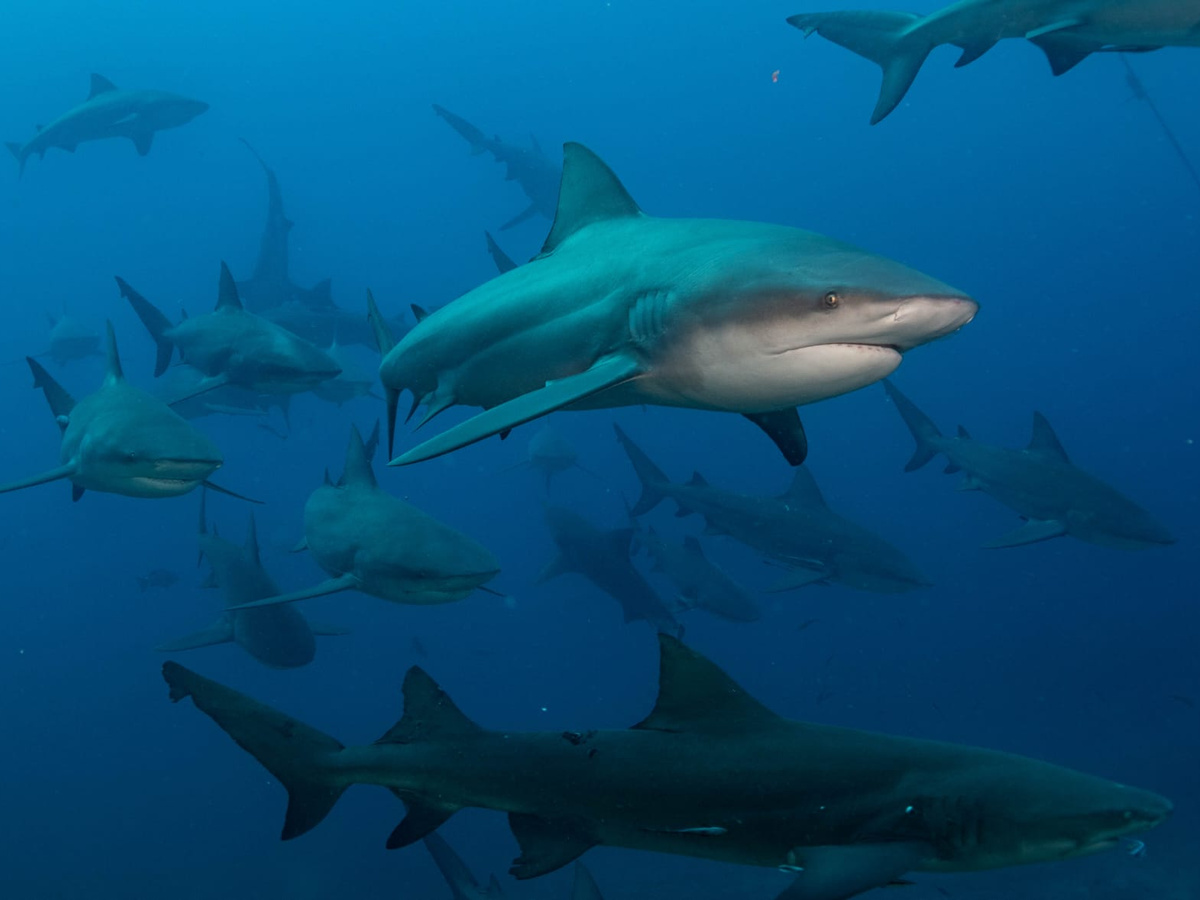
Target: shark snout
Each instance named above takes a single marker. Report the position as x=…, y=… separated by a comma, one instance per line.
x=918, y=320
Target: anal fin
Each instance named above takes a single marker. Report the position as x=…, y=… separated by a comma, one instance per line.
x=546, y=844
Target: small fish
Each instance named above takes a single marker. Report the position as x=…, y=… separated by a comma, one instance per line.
x=806, y=624
x=157, y=578
x=1136, y=848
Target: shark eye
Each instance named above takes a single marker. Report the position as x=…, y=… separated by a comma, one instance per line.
x=831, y=300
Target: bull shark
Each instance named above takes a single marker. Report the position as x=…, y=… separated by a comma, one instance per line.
x=233, y=346
x=1039, y=483
x=463, y=885
x=367, y=540
x=110, y=112
x=323, y=325
x=1067, y=31
x=710, y=773
x=621, y=308
x=278, y=636
x=70, y=340
x=352, y=383
x=602, y=557
x=185, y=389
x=796, y=528
x=271, y=285
x=550, y=454
x=698, y=583
x=122, y=440
x=534, y=172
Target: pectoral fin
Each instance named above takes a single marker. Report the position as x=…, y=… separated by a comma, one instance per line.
x=1030, y=533
x=142, y=140
x=546, y=844
x=784, y=428
x=556, y=394
x=797, y=578
x=219, y=633
x=838, y=873
x=203, y=386
x=53, y=475
x=332, y=586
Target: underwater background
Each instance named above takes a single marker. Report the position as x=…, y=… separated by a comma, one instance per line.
x=1055, y=202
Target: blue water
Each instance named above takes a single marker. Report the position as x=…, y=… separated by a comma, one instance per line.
x=1055, y=202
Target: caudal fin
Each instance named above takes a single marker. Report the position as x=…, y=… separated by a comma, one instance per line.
x=156, y=323
x=302, y=758
x=924, y=432
x=653, y=478
x=888, y=39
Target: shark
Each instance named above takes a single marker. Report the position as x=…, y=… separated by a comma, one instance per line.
x=70, y=340
x=463, y=885
x=534, y=172
x=233, y=346
x=122, y=440
x=550, y=454
x=602, y=557
x=111, y=112
x=325, y=325
x=699, y=584
x=623, y=308
x=1067, y=31
x=352, y=383
x=711, y=773
x=1039, y=483
x=796, y=528
x=185, y=389
x=278, y=636
x=367, y=540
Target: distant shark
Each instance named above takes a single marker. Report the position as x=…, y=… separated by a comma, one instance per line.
x=351, y=384
x=550, y=454
x=122, y=440
x=621, y=308
x=796, y=528
x=463, y=885
x=710, y=773
x=1039, y=483
x=698, y=583
x=602, y=557
x=70, y=340
x=110, y=112
x=1067, y=31
x=278, y=636
x=233, y=346
x=367, y=540
x=536, y=174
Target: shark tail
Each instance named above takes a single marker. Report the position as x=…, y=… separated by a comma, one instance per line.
x=303, y=759
x=653, y=478
x=924, y=432
x=891, y=40
x=156, y=323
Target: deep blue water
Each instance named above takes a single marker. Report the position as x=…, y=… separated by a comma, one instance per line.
x=1056, y=203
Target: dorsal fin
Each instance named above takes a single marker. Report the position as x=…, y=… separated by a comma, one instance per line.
x=252, y=541
x=227, y=292
x=100, y=85
x=692, y=544
x=1045, y=442
x=697, y=480
x=620, y=540
x=428, y=713
x=420, y=313
x=963, y=433
x=803, y=490
x=113, y=372
x=372, y=443
x=358, y=464
x=695, y=695
x=589, y=192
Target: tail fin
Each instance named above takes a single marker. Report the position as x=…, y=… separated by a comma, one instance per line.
x=651, y=476
x=156, y=323
x=924, y=432
x=302, y=758
x=888, y=39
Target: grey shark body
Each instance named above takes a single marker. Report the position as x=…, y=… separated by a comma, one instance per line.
x=463, y=885
x=622, y=308
x=550, y=454
x=535, y=173
x=232, y=346
x=353, y=382
x=796, y=528
x=110, y=112
x=710, y=773
x=1039, y=483
x=71, y=340
x=698, y=583
x=1067, y=31
x=367, y=540
x=277, y=636
x=122, y=440
x=602, y=557
x=186, y=390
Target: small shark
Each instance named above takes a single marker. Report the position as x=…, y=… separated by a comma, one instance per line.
x=1067, y=31
x=710, y=773
x=232, y=346
x=1039, y=483
x=463, y=885
x=184, y=388
x=351, y=384
x=529, y=167
x=622, y=308
x=122, y=440
x=550, y=454
x=367, y=540
x=796, y=528
x=698, y=583
x=278, y=636
x=110, y=112
x=70, y=340
x=157, y=578
x=271, y=285
x=602, y=557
